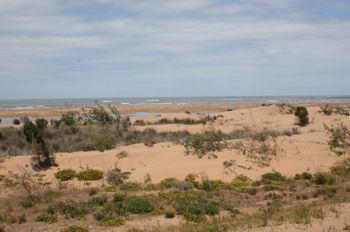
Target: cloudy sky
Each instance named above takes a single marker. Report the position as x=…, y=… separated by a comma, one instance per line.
x=135, y=48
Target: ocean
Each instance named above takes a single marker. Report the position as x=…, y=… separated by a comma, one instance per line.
x=87, y=102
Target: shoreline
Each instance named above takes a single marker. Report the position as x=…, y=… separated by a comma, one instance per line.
x=193, y=108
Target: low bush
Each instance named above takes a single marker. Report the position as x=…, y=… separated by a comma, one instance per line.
x=117, y=177
x=90, y=174
x=303, y=176
x=112, y=221
x=138, y=205
x=130, y=186
x=303, y=115
x=272, y=176
x=168, y=182
x=324, y=179
x=74, y=229
x=46, y=217
x=66, y=174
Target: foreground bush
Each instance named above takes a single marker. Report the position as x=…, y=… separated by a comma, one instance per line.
x=66, y=174
x=90, y=174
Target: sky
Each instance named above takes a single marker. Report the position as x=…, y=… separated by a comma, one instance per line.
x=147, y=48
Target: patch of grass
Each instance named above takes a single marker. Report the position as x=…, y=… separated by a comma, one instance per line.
x=130, y=186
x=46, y=217
x=90, y=174
x=66, y=174
x=74, y=229
x=112, y=221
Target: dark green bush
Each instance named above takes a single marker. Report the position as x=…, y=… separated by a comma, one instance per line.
x=74, y=229
x=66, y=174
x=303, y=176
x=303, y=115
x=90, y=174
x=324, y=178
x=138, y=205
x=272, y=176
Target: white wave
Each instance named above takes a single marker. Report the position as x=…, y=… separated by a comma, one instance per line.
x=153, y=100
x=106, y=101
x=125, y=103
x=231, y=99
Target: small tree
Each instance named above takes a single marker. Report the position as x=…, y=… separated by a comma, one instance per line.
x=303, y=115
x=36, y=134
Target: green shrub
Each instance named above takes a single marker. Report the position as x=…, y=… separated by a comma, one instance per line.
x=112, y=221
x=168, y=182
x=303, y=176
x=90, y=174
x=324, y=178
x=272, y=176
x=74, y=229
x=302, y=114
x=342, y=168
x=66, y=174
x=117, y=177
x=45, y=217
x=138, y=205
x=130, y=186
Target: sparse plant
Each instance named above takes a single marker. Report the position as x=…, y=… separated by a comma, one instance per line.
x=117, y=177
x=339, y=141
x=45, y=217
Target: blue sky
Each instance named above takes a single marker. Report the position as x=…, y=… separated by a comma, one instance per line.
x=145, y=48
